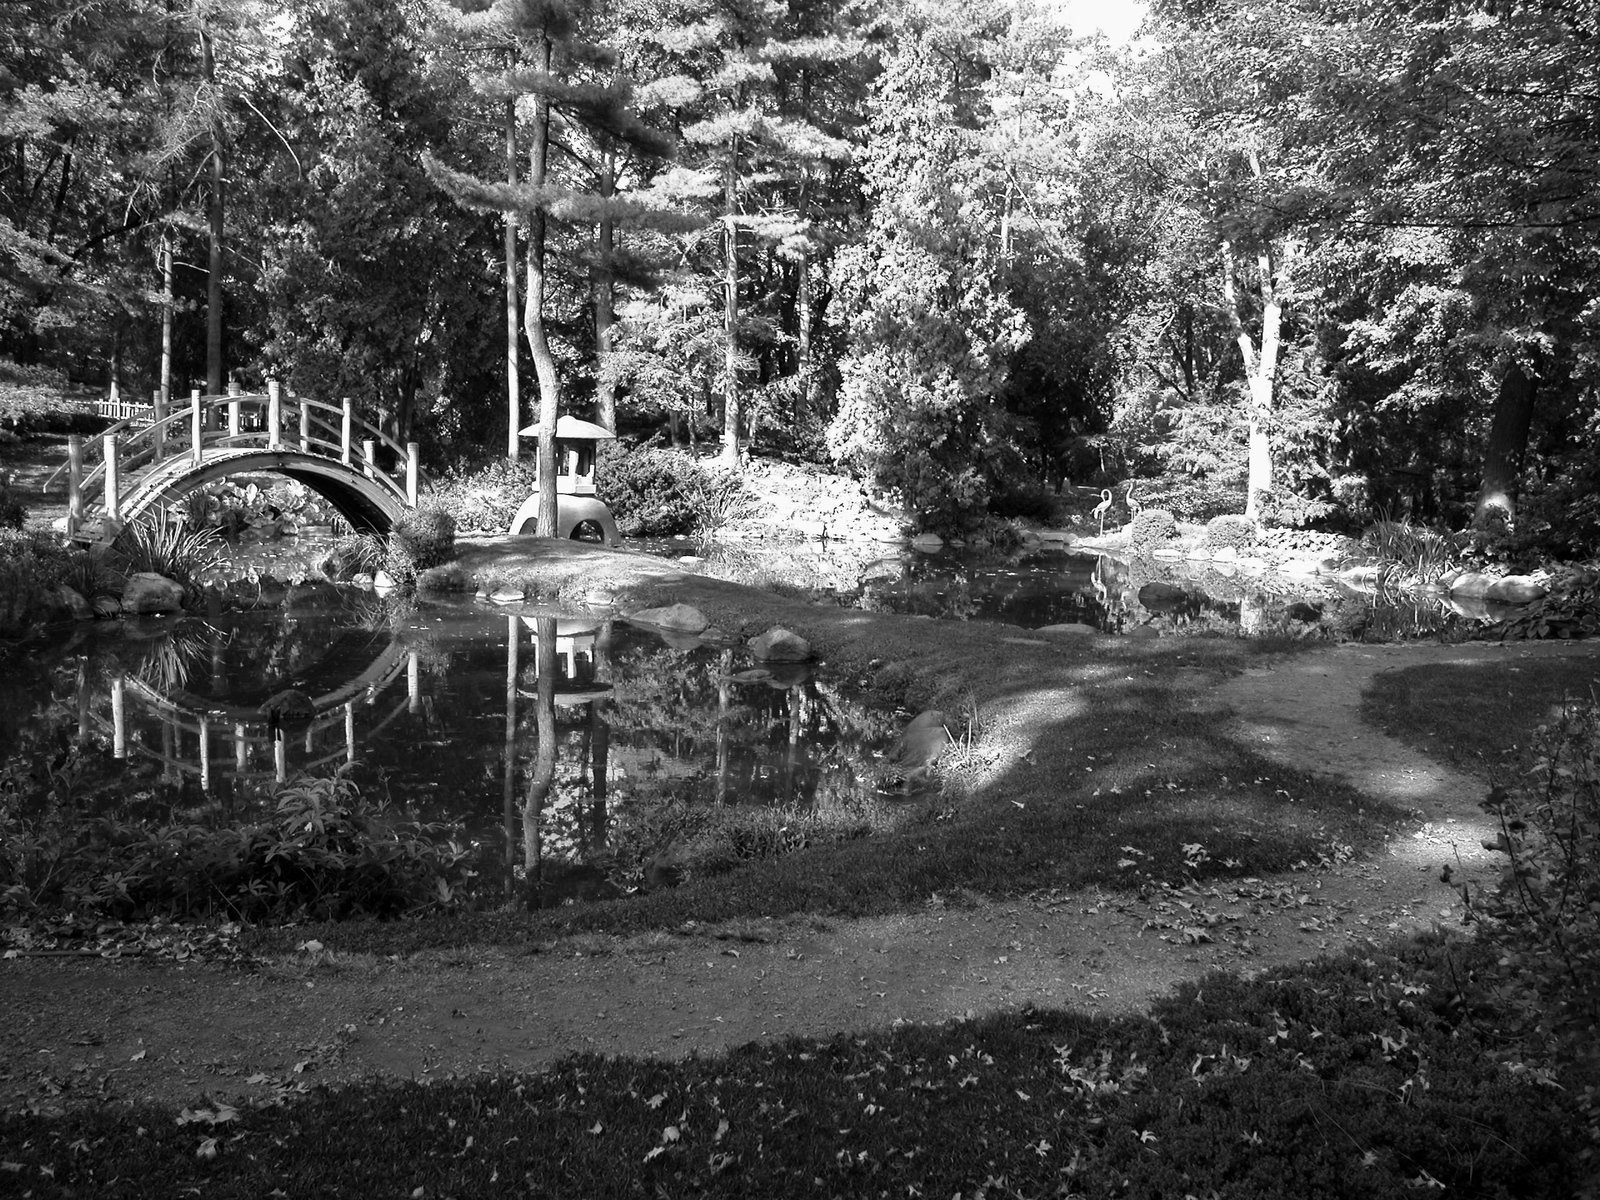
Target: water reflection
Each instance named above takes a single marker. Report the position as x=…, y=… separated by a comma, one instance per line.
x=577, y=756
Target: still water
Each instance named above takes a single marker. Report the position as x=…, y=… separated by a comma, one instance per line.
x=578, y=745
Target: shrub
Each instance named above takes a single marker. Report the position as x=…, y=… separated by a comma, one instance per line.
x=13, y=513
x=484, y=498
x=1231, y=530
x=1152, y=527
x=1570, y=609
x=1545, y=913
x=651, y=492
x=423, y=538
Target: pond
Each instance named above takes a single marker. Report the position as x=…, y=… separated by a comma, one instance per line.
x=577, y=756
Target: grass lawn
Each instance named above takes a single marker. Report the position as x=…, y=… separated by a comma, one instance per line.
x=1476, y=717
x=1387, y=1074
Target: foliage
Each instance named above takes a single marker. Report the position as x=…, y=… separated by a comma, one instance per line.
x=31, y=567
x=165, y=544
x=35, y=398
x=13, y=512
x=422, y=538
x=484, y=498
x=1413, y=551
x=1545, y=912
x=1027, y=501
x=354, y=554
x=1571, y=608
x=661, y=493
x=1152, y=527
x=323, y=853
x=1230, y=529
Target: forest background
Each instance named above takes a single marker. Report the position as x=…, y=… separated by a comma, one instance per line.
x=1317, y=262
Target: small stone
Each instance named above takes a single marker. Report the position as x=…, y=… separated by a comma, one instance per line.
x=507, y=595
x=679, y=618
x=780, y=645
x=927, y=541
x=384, y=582
x=1075, y=627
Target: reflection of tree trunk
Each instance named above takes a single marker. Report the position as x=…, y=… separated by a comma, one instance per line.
x=1253, y=613
x=723, y=688
x=791, y=762
x=600, y=746
x=508, y=794
x=544, y=759
x=166, y=318
x=1508, y=441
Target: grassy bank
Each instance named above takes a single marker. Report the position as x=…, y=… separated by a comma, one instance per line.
x=1391, y=1074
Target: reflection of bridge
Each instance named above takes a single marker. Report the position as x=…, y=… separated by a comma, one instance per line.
x=193, y=725
x=135, y=466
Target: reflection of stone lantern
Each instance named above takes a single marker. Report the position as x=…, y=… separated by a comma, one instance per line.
x=576, y=659
x=579, y=512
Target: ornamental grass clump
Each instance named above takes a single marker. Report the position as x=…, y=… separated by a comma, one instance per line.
x=1410, y=551
x=165, y=545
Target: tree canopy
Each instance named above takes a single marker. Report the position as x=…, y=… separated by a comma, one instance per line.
x=1312, y=261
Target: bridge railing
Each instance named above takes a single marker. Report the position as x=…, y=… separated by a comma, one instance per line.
x=102, y=468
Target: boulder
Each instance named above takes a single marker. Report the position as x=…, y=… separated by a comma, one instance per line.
x=106, y=607
x=1515, y=589
x=72, y=600
x=678, y=618
x=507, y=595
x=780, y=645
x=927, y=542
x=148, y=592
x=919, y=748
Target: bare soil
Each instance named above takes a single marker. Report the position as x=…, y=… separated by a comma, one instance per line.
x=87, y=1030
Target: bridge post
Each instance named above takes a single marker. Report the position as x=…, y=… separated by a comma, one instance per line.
x=305, y=425
x=413, y=681
x=413, y=458
x=350, y=731
x=158, y=407
x=233, y=409
x=113, y=482
x=74, y=483
x=274, y=415
x=205, y=754
x=369, y=451
x=196, y=426
x=346, y=428
x=119, y=719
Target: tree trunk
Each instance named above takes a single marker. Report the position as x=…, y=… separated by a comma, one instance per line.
x=544, y=362
x=730, y=309
x=513, y=346
x=1508, y=442
x=605, y=393
x=214, y=364
x=1261, y=366
x=166, y=318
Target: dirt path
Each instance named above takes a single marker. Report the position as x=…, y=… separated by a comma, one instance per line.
x=87, y=1031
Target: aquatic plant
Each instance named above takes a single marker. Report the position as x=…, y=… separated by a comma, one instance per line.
x=1412, y=551
x=163, y=544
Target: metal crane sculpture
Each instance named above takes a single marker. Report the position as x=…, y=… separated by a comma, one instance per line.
x=1134, y=506
x=1100, y=510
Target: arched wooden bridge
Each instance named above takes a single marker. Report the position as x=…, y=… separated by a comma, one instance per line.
x=136, y=467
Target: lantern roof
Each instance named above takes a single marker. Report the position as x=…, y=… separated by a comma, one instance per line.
x=573, y=428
